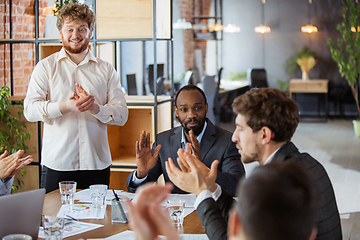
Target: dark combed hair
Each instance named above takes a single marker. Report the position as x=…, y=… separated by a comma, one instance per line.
x=190, y=88
x=74, y=12
x=269, y=107
x=277, y=202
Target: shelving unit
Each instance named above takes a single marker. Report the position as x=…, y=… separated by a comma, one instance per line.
x=149, y=113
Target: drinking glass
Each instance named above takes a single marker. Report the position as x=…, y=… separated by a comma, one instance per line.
x=67, y=191
x=176, y=209
x=17, y=237
x=98, y=195
x=53, y=227
x=118, y=210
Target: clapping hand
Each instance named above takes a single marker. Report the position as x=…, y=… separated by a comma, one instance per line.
x=80, y=102
x=10, y=165
x=193, y=146
x=194, y=176
x=147, y=218
x=145, y=160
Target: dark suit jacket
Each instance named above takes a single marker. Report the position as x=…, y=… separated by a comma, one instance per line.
x=213, y=215
x=215, y=144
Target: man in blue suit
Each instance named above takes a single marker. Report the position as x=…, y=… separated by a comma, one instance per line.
x=196, y=135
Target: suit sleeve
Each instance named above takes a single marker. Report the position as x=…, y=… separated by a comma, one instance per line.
x=214, y=216
x=230, y=169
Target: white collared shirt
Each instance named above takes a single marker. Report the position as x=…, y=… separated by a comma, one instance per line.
x=270, y=158
x=75, y=141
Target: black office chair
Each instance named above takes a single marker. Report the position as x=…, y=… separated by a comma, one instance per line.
x=160, y=88
x=257, y=78
x=131, y=84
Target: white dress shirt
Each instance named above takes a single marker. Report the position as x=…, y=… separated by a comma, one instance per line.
x=75, y=141
x=5, y=186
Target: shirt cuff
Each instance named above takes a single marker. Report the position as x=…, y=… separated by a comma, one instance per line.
x=201, y=197
x=53, y=109
x=103, y=115
x=217, y=193
x=137, y=181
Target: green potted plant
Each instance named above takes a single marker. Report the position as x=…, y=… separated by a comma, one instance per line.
x=306, y=61
x=12, y=132
x=346, y=53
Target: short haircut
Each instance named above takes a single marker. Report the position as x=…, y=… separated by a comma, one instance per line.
x=74, y=12
x=269, y=107
x=277, y=202
x=190, y=88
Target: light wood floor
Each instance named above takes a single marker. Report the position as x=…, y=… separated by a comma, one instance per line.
x=336, y=147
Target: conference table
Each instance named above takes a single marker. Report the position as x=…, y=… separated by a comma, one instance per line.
x=52, y=204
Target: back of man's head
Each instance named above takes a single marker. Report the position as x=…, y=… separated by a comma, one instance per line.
x=75, y=12
x=277, y=202
x=269, y=107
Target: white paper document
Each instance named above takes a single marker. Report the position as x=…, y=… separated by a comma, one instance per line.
x=73, y=228
x=81, y=211
x=84, y=195
x=130, y=235
x=189, y=199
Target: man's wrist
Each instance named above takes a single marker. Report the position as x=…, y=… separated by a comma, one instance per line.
x=6, y=180
x=95, y=109
x=139, y=174
x=63, y=107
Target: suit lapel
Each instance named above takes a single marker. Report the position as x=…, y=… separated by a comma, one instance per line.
x=207, y=140
x=175, y=143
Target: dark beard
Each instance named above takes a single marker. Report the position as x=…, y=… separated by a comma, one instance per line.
x=196, y=130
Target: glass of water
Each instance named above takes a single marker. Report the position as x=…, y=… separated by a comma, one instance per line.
x=98, y=195
x=176, y=209
x=67, y=191
x=53, y=227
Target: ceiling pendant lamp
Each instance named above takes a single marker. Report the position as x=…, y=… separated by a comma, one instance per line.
x=262, y=28
x=216, y=27
x=353, y=29
x=308, y=28
x=182, y=24
x=231, y=28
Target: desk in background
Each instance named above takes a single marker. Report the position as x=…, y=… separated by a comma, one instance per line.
x=311, y=86
x=52, y=204
x=232, y=85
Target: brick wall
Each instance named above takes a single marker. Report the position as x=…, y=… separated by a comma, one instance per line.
x=188, y=8
x=23, y=27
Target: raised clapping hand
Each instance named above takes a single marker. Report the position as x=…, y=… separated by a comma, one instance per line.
x=80, y=102
x=147, y=218
x=193, y=146
x=9, y=165
x=145, y=160
x=194, y=176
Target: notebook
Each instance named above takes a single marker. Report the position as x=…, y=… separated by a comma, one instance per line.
x=21, y=213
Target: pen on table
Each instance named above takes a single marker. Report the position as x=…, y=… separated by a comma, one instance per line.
x=119, y=204
x=71, y=217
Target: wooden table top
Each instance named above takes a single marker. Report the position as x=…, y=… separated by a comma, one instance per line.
x=52, y=204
